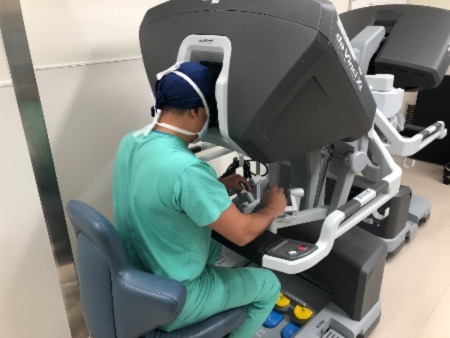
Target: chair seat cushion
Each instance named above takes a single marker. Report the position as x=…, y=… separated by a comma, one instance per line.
x=216, y=326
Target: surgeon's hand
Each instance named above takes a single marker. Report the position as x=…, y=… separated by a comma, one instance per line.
x=235, y=182
x=275, y=201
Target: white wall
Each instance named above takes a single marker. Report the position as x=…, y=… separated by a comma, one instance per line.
x=341, y=5
x=355, y=4
x=66, y=32
x=87, y=109
x=433, y=3
x=30, y=298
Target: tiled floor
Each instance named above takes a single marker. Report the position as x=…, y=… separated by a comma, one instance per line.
x=415, y=294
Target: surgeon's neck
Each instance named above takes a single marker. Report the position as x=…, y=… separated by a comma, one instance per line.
x=187, y=139
x=182, y=122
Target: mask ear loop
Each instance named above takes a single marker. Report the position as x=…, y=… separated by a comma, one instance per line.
x=148, y=128
x=169, y=70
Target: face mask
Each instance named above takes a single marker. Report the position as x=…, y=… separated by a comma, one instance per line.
x=201, y=134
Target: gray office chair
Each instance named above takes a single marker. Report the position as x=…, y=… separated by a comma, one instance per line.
x=120, y=301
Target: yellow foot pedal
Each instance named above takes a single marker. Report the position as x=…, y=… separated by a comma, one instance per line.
x=283, y=302
x=302, y=314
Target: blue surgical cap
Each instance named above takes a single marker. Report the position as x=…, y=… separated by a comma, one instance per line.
x=174, y=91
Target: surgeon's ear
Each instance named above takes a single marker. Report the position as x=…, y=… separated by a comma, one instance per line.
x=194, y=113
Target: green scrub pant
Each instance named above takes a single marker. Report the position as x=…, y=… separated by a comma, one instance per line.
x=218, y=289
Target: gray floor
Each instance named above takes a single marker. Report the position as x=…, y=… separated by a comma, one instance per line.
x=415, y=294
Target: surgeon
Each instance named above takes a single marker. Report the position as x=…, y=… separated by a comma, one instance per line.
x=167, y=202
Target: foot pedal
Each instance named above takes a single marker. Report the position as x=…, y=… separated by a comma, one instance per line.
x=332, y=334
x=302, y=314
x=290, y=330
x=419, y=210
x=273, y=320
x=282, y=303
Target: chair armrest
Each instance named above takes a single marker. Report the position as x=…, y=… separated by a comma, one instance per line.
x=143, y=302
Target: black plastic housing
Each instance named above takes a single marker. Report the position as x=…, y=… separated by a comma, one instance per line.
x=417, y=46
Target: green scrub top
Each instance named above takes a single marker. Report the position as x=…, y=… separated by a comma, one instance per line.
x=164, y=198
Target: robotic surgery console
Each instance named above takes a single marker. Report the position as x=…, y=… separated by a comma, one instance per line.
x=288, y=83
x=416, y=47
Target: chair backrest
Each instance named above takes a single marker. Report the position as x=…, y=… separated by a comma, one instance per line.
x=118, y=300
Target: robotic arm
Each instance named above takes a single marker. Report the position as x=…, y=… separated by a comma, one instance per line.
x=384, y=38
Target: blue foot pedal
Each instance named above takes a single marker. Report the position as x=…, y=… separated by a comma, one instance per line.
x=273, y=320
x=290, y=330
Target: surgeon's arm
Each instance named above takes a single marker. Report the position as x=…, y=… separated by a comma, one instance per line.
x=241, y=228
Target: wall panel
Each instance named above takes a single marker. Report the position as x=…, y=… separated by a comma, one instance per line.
x=67, y=32
x=88, y=110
